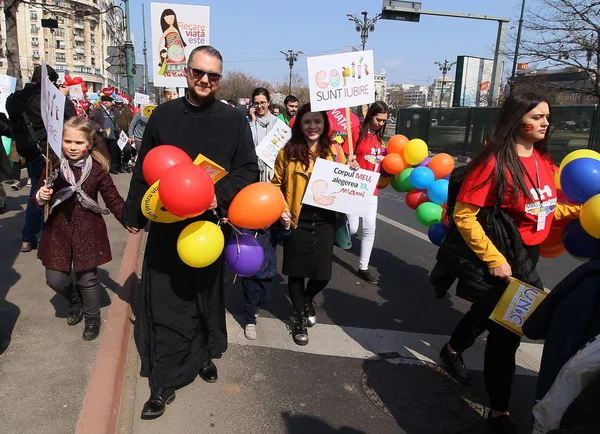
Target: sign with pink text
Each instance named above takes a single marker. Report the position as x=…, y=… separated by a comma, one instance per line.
x=341, y=80
x=336, y=187
x=269, y=147
x=176, y=31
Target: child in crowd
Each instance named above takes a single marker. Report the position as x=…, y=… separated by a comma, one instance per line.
x=74, y=239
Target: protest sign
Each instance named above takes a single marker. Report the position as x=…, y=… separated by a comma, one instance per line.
x=7, y=86
x=141, y=99
x=53, y=111
x=123, y=140
x=269, y=146
x=176, y=30
x=341, y=80
x=336, y=187
x=76, y=92
x=516, y=305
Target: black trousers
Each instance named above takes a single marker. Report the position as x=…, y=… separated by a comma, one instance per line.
x=256, y=293
x=299, y=292
x=84, y=291
x=115, y=153
x=500, y=349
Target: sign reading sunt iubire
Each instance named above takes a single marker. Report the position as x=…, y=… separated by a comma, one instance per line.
x=336, y=187
x=341, y=80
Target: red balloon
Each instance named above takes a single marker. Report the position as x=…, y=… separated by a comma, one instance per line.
x=416, y=197
x=160, y=159
x=186, y=190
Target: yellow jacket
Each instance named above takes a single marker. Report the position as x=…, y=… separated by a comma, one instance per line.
x=292, y=178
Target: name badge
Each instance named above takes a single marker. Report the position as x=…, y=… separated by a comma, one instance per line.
x=541, y=221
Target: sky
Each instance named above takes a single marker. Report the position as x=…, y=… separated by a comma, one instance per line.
x=251, y=34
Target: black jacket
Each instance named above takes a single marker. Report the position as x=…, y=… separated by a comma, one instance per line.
x=456, y=260
x=567, y=318
x=30, y=98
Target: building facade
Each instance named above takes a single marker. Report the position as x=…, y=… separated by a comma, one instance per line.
x=380, y=86
x=441, y=92
x=78, y=47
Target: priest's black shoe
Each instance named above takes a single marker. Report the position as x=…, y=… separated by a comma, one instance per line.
x=155, y=406
x=92, y=328
x=75, y=314
x=209, y=373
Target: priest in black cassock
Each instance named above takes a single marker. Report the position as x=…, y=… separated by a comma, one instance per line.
x=180, y=326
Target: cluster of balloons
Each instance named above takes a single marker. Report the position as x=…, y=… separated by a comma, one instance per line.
x=408, y=169
x=578, y=182
x=186, y=190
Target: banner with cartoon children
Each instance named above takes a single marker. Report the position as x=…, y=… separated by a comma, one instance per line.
x=176, y=31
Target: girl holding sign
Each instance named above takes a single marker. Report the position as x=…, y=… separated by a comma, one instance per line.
x=503, y=212
x=308, y=253
x=369, y=153
x=74, y=238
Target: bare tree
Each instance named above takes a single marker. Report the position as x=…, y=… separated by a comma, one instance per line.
x=12, y=40
x=237, y=84
x=395, y=98
x=566, y=33
x=299, y=88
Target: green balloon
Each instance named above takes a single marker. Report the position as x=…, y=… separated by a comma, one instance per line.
x=395, y=184
x=429, y=213
x=404, y=180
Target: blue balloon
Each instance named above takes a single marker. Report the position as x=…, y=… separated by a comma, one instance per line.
x=437, y=233
x=580, y=179
x=577, y=241
x=422, y=178
x=438, y=192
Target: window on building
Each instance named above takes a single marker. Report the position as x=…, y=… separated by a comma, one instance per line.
x=92, y=25
x=35, y=41
x=60, y=45
x=59, y=32
x=35, y=54
x=93, y=61
x=33, y=15
x=60, y=19
x=34, y=29
x=60, y=57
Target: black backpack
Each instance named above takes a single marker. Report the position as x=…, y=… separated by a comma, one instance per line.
x=16, y=109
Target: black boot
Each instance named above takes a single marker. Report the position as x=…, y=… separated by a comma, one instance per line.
x=299, y=330
x=75, y=314
x=309, y=312
x=92, y=328
x=155, y=406
x=209, y=373
x=455, y=365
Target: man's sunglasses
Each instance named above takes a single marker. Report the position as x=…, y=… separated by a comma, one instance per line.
x=198, y=74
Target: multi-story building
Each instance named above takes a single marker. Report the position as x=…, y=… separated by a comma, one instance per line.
x=441, y=92
x=380, y=86
x=79, y=46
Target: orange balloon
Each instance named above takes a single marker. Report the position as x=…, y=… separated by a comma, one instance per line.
x=442, y=165
x=396, y=144
x=394, y=164
x=257, y=206
x=383, y=182
x=553, y=247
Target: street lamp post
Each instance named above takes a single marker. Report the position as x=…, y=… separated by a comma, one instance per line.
x=291, y=56
x=365, y=26
x=444, y=67
x=518, y=42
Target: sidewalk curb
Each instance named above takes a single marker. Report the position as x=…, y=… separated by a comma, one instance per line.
x=101, y=404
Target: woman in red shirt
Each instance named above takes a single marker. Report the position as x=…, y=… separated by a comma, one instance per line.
x=369, y=153
x=516, y=167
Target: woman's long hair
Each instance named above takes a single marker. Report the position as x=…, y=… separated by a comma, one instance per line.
x=502, y=145
x=98, y=150
x=164, y=26
x=297, y=148
x=376, y=108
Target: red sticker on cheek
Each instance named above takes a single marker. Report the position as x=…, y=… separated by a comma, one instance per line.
x=85, y=151
x=528, y=128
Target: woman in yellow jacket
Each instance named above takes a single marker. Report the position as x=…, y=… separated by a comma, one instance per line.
x=308, y=253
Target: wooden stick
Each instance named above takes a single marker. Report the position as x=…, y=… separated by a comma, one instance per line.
x=349, y=133
x=47, y=205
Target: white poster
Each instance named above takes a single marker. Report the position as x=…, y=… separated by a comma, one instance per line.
x=269, y=147
x=141, y=99
x=7, y=86
x=76, y=92
x=341, y=80
x=336, y=187
x=123, y=140
x=53, y=111
x=176, y=31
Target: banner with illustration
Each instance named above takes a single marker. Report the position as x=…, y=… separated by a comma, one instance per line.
x=176, y=31
x=53, y=111
x=341, y=80
x=7, y=86
x=336, y=187
x=269, y=146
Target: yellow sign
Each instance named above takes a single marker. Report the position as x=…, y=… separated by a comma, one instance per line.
x=153, y=208
x=516, y=305
x=148, y=110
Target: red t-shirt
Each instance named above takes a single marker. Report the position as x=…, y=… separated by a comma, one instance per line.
x=368, y=152
x=524, y=211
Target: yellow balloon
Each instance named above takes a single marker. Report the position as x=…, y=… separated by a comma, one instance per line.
x=200, y=244
x=153, y=209
x=580, y=153
x=415, y=151
x=557, y=178
x=590, y=216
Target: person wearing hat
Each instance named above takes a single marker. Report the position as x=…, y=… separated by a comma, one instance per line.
x=124, y=118
x=105, y=117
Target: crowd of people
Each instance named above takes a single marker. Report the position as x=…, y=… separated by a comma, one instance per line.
x=501, y=206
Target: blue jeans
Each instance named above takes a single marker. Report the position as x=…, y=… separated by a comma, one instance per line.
x=34, y=216
x=256, y=292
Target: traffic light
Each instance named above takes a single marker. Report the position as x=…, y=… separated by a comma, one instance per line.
x=116, y=59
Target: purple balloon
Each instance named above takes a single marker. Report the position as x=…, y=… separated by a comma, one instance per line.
x=244, y=255
x=425, y=162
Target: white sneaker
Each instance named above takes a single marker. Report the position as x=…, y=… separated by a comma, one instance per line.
x=28, y=182
x=250, y=331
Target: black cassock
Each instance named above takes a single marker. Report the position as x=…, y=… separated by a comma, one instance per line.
x=181, y=319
